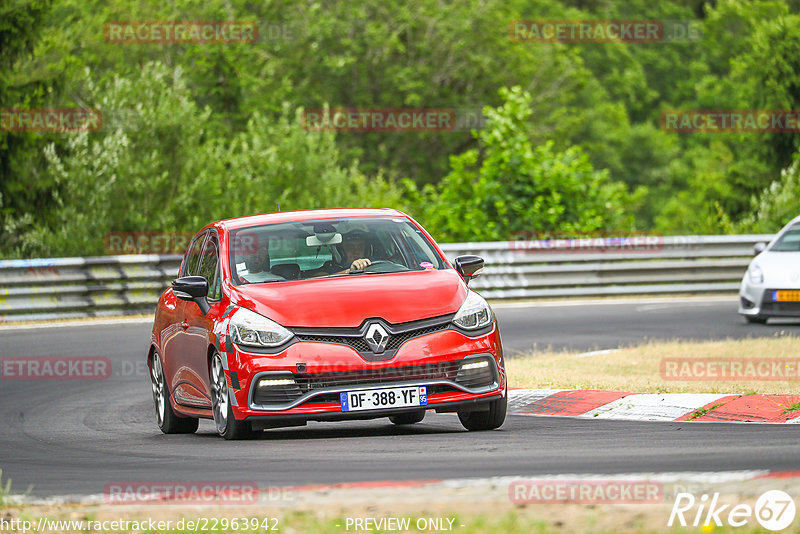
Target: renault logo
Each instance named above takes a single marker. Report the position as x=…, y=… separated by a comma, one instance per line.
x=376, y=338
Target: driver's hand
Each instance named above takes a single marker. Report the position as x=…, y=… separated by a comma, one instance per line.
x=360, y=264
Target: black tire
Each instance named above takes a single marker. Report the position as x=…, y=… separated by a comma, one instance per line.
x=757, y=319
x=409, y=418
x=168, y=421
x=227, y=425
x=488, y=420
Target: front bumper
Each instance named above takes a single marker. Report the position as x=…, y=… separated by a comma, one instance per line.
x=757, y=301
x=322, y=370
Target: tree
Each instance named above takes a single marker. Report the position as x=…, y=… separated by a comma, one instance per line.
x=509, y=186
x=158, y=165
x=22, y=191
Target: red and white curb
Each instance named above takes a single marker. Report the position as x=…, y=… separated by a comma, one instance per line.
x=695, y=407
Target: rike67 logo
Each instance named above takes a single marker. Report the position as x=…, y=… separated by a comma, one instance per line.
x=774, y=510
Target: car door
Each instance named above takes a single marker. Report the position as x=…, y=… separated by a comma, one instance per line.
x=196, y=387
x=181, y=342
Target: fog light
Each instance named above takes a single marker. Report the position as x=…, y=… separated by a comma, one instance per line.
x=273, y=382
x=475, y=373
x=474, y=365
x=276, y=389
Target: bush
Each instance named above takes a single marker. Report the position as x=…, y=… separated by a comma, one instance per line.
x=509, y=186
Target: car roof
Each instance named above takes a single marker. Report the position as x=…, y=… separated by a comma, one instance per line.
x=304, y=215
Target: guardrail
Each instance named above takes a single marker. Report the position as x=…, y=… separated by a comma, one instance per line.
x=63, y=288
x=651, y=265
x=47, y=289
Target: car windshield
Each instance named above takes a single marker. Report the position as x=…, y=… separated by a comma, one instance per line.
x=328, y=248
x=789, y=241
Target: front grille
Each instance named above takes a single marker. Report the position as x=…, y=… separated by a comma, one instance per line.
x=396, y=341
x=310, y=382
x=358, y=343
x=334, y=397
x=779, y=308
x=434, y=371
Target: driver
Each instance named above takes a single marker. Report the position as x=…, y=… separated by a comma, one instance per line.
x=354, y=249
x=255, y=262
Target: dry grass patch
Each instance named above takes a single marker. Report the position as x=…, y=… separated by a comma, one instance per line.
x=637, y=369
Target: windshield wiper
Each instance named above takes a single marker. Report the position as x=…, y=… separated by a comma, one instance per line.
x=245, y=282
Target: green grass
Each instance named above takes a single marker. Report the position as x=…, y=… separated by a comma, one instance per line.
x=702, y=411
x=5, y=490
x=793, y=408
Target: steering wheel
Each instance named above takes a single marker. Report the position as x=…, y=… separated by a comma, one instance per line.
x=380, y=263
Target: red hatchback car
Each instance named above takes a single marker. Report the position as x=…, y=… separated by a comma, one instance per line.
x=323, y=315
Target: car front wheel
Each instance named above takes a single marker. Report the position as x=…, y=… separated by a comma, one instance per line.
x=490, y=419
x=168, y=421
x=758, y=319
x=227, y=425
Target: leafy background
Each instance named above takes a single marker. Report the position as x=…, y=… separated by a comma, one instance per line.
x=571, y=143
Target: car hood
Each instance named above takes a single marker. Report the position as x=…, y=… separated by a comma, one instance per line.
x=781, y=269
x=348, y=300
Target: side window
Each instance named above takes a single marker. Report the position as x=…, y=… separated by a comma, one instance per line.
x=209, y=269
x=192, y=259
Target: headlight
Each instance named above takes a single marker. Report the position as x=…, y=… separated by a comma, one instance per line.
x=756, y=274
x=475, y=313
x=254, y=330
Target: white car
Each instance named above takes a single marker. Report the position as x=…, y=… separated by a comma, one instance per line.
x=771, y=285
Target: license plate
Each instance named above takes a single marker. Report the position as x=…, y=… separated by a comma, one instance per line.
x=786, y=296
x=378, y=399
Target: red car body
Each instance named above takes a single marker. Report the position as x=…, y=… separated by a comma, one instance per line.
x=325, y=357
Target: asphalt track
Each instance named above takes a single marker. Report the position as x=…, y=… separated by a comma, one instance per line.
x=74, y=437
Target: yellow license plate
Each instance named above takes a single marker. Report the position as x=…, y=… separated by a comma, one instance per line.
x=786, y=296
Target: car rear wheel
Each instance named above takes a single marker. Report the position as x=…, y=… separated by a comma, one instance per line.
x=409, y=418
x=493, y=418
x=758, y=319
x=168, y=421
x=227, y=425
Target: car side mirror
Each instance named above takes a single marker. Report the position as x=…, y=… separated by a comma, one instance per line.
x=194, y=288
x=758, y=248
x=469, y=267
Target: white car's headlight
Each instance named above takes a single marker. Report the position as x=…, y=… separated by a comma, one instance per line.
x=254, y=330
x=474, y=313
x=756, y=274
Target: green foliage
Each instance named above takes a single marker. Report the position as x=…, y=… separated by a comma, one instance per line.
x=777, y=204
x=198, y=132
x=5, y=490
x=20, y=27
x=157, y=166
x=509, y=186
